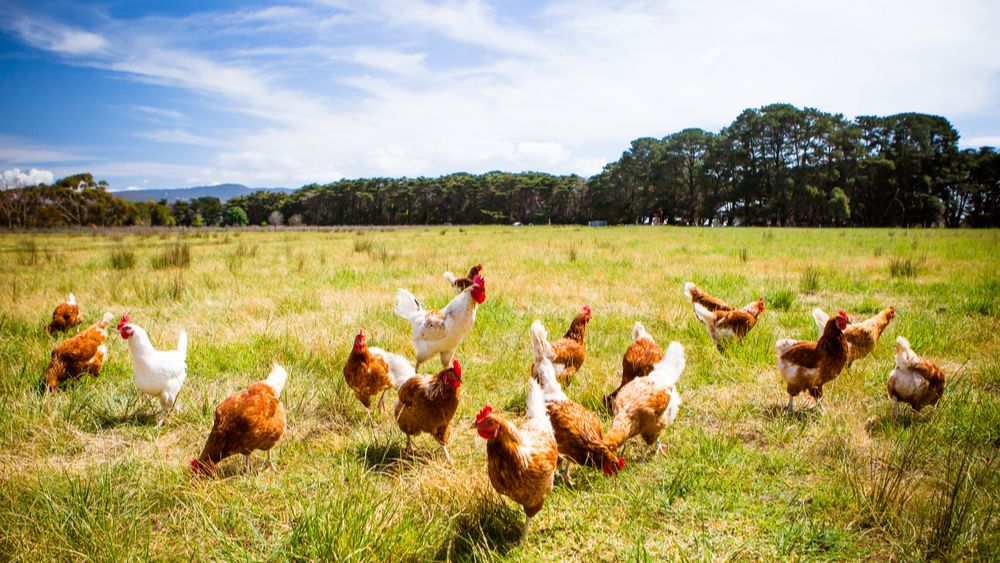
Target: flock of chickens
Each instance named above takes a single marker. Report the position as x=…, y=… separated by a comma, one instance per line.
x=521, y=460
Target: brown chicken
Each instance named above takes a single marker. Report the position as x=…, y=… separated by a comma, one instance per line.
x=249, y=420
x=460, y=284
x=647, y=405
x=66, y=316
x=521, y=461
x=571, y=349
x=808, y=365
x=577, y=430
x=639, y=359
x=727, y=324
x=914, y=381
x=83, y=353
x=427, y=403
x=367, y=371
x=861, y=337
x=707, y=301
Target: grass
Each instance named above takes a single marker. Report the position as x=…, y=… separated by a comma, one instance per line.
x=741, y=480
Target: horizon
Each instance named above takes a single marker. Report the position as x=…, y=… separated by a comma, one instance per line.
x=187, y=95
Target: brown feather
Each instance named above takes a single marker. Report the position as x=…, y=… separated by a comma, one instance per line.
x=366, y=375
x=246, y=421
x=578, y=434
x=80, y=354
x=524, y=475
x=426, y=403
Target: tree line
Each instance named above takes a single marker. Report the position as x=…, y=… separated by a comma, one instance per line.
x=777, y=165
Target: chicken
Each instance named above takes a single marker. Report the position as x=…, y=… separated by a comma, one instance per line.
x=577, y=430
x=157, y=374
x=65, y=316
x=808, y=365
x=521, y=461
x=647, y=405
x=727, y=324
x=861, y=337
x=698, y=296
x=84, y=353
x=367, y=371
x=460, y=284
x=249, y=420
x=639, y=359
x=571, y=349
x=427, y=403
x=914, y=381
x=441, y=332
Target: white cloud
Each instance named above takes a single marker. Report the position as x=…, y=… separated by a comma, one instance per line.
x=981, y=141
x=15, y=178
x=407, y=64
x=179, y=137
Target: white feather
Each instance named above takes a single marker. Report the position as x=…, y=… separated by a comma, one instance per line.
x=276, y=379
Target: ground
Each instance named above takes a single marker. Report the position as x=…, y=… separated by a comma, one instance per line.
x=91, y=474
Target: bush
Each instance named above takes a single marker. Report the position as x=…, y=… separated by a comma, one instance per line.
x=236, y=216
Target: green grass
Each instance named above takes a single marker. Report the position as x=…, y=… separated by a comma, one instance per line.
x=88, y=474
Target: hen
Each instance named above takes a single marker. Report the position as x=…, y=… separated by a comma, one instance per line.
x=427, y=403
x=861, y=337
x=66, y=316
x=914, y=381
x=157, y=374
x=727, y=324
x=370, y=371
x=577, y=430
x=808, y=365
x=697, y=296
x=571, y=349
x=441, y=332
x=639, y=359
x=84, y=353
x=521, y=461
x=250, y=420
x=647, y=405
x=460, y=284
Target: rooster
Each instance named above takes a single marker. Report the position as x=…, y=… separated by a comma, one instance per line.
x=639, y=359
x=861, y=337
x=727, y=324
x=914, y=381
x=647, y=405
x=249, y=420
x=84, y=353
x=367, y=371
x=577, y=431
x=521, y=461
x=571, y=349
x=441, y=332
x=427, y=403
x=157, y=374
x=808, y=365
x=460, y=284
x=66, y=316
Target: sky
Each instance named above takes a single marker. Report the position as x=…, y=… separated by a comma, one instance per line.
x=171, y=94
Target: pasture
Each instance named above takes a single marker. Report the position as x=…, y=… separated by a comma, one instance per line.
x=89, y=474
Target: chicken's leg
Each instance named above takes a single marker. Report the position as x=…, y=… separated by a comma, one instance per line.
x=527, y=522
x=895, y=409
x=790, y=408
x=446, y=455
x=268, y=463
x=381, y=401
x=565, y=473
x=446, y=359
x=246, y=463
x=407, y=449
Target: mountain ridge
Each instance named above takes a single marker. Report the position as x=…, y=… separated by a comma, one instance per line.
x=224, y=192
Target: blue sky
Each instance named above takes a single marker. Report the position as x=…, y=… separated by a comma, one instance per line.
x=150, y=94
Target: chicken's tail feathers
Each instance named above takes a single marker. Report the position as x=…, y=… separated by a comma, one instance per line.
x=406, y=304
x=820, y=316
x=902, y=343
x=537, y=413
x=689, y=289
x=400, y=369
x=905, y=356
x=182, y=343
x=450, y=277
x=105, y=320
x=668, y=370
x=783, y=345
x=277, y=378
x=71, y=299
x=540, y=347
x=639, y=332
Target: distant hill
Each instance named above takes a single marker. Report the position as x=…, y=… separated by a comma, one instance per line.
x=222, y=191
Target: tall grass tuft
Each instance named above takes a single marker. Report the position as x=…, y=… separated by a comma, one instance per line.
x=363, y=244
x=782, y=299
x=903, y=267
x=122, y=258
x=809, y=281
x=744, y=255
x=177, y=255
x=27, y=252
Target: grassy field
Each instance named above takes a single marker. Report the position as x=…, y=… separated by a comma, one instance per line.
x=88, y=474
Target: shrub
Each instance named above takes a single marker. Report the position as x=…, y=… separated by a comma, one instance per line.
x=236, y=216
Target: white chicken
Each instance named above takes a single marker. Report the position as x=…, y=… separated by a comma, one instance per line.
x=441, y=332
x=157, y=374
x=915, y=381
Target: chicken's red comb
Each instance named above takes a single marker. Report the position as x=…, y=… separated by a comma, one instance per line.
x=843, y=314
x=621, y=463
x=458, y=369
x=479, y=267
x=125, y=320
x=361, y=332
x=487, y=410
x=478, y=280
x=586, y=309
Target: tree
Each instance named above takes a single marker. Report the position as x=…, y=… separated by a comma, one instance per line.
x=236, y=216
x=275, y=219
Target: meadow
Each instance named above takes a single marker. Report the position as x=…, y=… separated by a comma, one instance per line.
x=89, y=474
